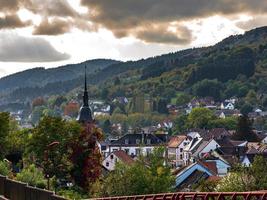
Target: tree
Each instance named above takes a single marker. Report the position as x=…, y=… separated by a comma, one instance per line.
x=246, y=108
x=162, y=106
x=211, y=88
x=259, y=172
x=244, y=130
x=39, y=101
x=235, y=182
x=199, y=118
x=4, y=130
x=48, y=143
x=33, y=176
x=86, y=157
x=107, y=126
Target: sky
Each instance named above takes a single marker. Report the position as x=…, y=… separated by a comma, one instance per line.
x=51, y=33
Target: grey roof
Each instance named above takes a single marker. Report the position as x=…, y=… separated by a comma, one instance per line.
x=132, y=140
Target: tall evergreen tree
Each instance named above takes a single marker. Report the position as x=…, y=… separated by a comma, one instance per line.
x=244, y=130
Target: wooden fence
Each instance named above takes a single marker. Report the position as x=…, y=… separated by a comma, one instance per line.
x=13, y=190
x=257, y=195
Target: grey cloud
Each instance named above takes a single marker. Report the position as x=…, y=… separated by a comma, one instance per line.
x=53, y=27
x=12, y=21
x=15, y=48
x=256, y=21
x=160, y=34
x=51, y=8
x=9, y=5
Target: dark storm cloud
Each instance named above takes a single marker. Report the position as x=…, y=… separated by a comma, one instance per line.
x=147, y=20
x=12, y=21
x=53, y=27
x=14, y=48
x=123, y=17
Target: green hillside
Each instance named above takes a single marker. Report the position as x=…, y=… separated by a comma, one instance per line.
x=235, y=66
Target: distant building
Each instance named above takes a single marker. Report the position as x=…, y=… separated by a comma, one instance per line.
x=117, y=156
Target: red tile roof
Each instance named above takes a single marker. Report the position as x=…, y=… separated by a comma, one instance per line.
x=175, y=141
x=124, y=157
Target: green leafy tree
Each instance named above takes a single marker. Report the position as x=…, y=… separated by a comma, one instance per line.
x=199, y=118
x=48, y=144
x=5, y=169
x=259, y=172
x=4, y=131
x=33, y=176
x=207, y=87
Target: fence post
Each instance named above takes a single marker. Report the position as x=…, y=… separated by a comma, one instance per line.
x=2, y=185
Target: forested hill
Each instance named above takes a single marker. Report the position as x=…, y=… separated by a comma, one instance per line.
x=39, y=77
x=233, y=67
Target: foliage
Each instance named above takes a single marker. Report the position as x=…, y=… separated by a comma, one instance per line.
x=200, y=117
x=242, y=178
x=72, y=193
x=4, y=130
x=5, y=168
x=259, y=172
x=33, y=176
x=244, y=130
x=85, y=156
x=53, y=158
x=210, y=88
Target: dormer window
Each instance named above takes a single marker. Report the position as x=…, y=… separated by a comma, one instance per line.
x=111, y=157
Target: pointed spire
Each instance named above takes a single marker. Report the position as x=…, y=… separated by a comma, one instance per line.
x=85, y=113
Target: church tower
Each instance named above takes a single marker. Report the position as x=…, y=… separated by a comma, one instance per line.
x=85, y=113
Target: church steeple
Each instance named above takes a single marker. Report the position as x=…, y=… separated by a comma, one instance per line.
x=85, y=114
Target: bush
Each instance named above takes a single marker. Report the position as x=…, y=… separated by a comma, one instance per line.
x=33, y=176
x=4, y=168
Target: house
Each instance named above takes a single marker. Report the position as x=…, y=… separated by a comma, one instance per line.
x=205, y=147
x=222, y=165
x=117, y=156
x=189, y=149
x=136, y=144
x=176, y=146
x=227, y=106
x=227, y=113
x=193, y=174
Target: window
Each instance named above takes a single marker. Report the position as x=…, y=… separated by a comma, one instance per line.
x=148, y=141
x=181, y=156
x=111, y=156
x=107, y=164
x=148, y=151
x=126, y=151
x=126, y=141
x=137, y=141
x=137, y=152
x=185, y=143
x=181, y=150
